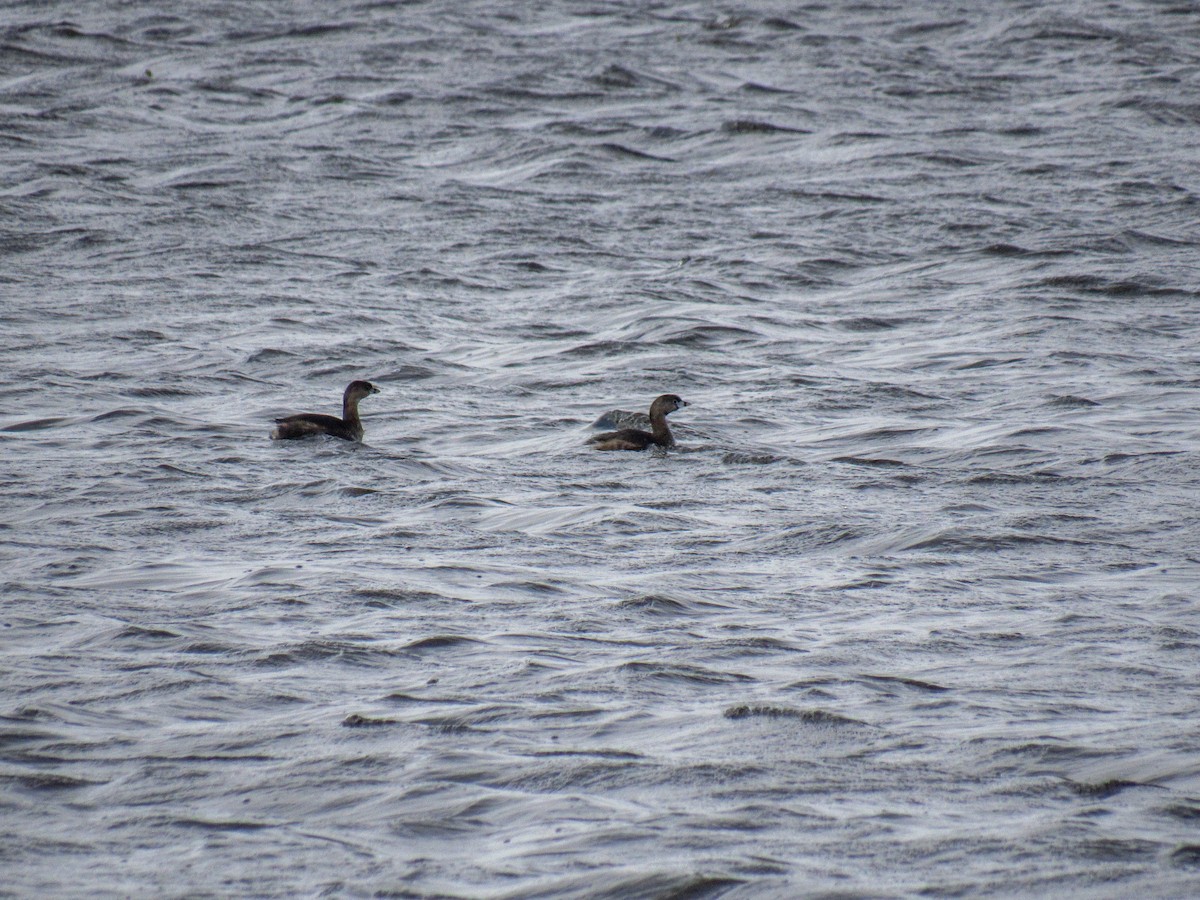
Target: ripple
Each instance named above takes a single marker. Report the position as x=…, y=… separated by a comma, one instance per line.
x=808, y=716
x=683, y=674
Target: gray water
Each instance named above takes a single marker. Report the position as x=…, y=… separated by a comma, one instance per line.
x=910, y=610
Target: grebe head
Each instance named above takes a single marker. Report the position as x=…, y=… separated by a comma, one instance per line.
x=667, y=404
x=359, y=389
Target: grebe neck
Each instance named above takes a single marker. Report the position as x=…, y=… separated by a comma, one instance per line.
x=662, y=433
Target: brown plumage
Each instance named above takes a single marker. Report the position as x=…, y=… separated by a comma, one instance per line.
x=348, y=427
x=636, y=439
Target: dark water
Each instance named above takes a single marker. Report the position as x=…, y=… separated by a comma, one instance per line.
x=912, y=609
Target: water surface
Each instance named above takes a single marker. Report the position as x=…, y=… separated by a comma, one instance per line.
x=911, y=610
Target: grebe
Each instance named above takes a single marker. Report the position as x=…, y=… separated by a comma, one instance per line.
x=348, y=427
x=636, y=439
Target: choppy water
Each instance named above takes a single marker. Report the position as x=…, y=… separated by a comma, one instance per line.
x=911, y=610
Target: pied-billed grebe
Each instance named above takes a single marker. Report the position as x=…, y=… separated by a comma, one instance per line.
x=348, y=427
x=636, y=439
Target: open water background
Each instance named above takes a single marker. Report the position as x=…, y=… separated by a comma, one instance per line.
x=913, y=608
